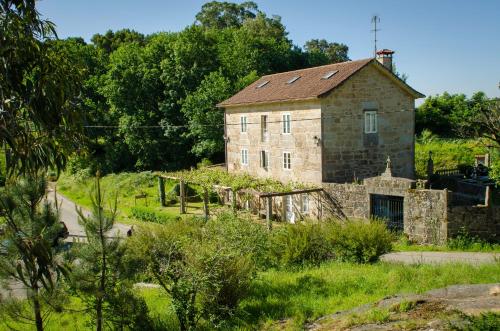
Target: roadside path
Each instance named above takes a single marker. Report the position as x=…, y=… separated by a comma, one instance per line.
x=69, y=216
x=441, y=257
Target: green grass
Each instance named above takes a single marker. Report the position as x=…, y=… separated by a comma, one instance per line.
x=310, y=293
x=126, y=186
x=290, y=298
x=492, y=248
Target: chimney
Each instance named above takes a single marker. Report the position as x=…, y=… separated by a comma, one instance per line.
x=384, y=56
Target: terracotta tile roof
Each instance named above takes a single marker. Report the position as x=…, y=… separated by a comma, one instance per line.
x=311, y=84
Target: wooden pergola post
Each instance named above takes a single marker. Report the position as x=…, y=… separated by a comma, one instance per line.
x=205, y=203
x=182, y=196
x=269, y=213
x=161, y=191
x=233, y=203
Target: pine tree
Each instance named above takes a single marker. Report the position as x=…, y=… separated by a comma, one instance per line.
x=29, y=243
x=100, y=277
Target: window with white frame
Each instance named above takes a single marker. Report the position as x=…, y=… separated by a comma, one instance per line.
x=243, y=124
x=244, y=156
x=287, y=160
x=287, y=119
x=264, y=159
x=304, y=203
x=371, y=121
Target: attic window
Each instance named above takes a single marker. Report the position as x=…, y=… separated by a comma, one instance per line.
x=293, y=79
x=264, y=83
x=330, y=74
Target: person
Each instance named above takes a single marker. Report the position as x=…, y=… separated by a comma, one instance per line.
x=129, y=232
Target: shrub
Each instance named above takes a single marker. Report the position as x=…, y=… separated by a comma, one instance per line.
x=300, y=244
x=146, y=214
x=361, y=242
x=204, y=267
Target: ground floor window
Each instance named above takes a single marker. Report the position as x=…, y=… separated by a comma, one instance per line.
x=287, y=160
x=244, y=156
x=304, y=203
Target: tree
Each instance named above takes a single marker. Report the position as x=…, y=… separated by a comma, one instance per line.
x=220, y=15
x=99, y=275
x=28, y=247
x=205, y=119
x=320, y=50
x=111, y=41
x=38, y=91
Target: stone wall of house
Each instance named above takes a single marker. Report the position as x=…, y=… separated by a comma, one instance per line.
x=425, y=215
x=480, y=220
x=349, y=153
x=305, y=151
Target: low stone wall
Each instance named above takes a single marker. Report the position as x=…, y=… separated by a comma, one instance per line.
x=480, y=221
x=425, y=215
x=353, y=199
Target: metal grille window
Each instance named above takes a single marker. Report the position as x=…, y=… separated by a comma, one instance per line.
x=243, y=124
x=244, y=156
x=287, y=160
x=371, y=121
x=390, y=209
x=287, y=119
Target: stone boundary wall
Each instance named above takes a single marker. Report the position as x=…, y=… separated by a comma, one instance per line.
x=425, y=215
x=480, y=221
x=430, y=216
x=353, y=199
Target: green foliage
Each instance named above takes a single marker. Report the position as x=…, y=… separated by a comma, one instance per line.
x=99, y=269
x=321, y=52
x=446, y=153
x=310, y=243
x=449, y=115
x=145, y=214
x=206, y=269
x=362, y=242
x=38, y=92
x=465, y=241
x=220, y=15
x=206, y=121
x=301, y=244
x=485, y=322
x=29, y=242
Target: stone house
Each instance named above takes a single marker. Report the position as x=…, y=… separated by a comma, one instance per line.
x=329, y=124
x=348, y=128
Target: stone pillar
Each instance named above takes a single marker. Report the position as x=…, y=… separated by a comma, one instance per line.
x=161, y=191
x=430, y=167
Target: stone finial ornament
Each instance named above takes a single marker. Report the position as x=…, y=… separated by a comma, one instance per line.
x=388, y=169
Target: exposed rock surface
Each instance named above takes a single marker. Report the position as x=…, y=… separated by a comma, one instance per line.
x=434, y=310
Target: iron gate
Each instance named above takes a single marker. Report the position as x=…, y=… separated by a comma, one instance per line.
x=389, y=208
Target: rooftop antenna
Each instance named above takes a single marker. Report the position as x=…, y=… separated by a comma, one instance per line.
x=375, y=20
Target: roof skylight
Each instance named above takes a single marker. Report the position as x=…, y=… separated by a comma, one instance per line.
x=293, y=79
x=330, y=74
x=264, y=83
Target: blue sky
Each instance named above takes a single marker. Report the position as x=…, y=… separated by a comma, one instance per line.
x=442, y=45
